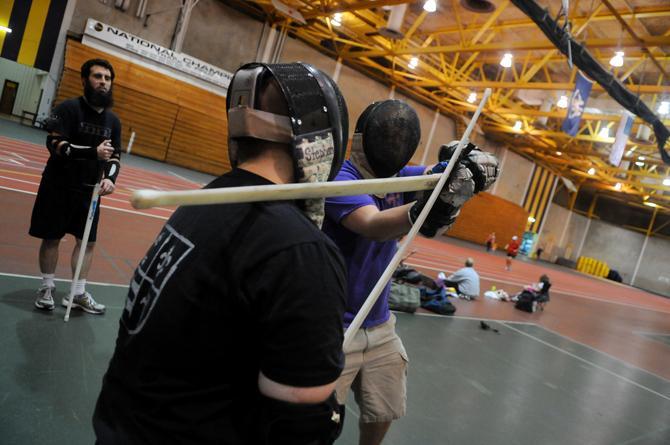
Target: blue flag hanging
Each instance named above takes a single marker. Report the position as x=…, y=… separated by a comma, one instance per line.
x=577, y=105
x=621, y=138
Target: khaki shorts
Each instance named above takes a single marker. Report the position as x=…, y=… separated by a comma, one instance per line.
x=376, y=371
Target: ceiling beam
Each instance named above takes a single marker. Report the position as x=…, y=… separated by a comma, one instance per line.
x=640, y=13
x=555, y=86
x=349, y=7
x=530, y=45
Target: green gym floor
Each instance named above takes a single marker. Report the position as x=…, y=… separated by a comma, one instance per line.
x=523, y=385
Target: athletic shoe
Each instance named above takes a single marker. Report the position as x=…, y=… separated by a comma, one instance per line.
x=45, y=299
x=86, y=303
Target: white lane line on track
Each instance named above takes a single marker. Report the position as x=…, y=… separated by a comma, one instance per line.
x=464, y=317
x=19, y=180
x=588, y=362
x=20, y=157
x=12, y=161
x=134, y=212
x=133, y=174
x=601, y=352
x=185, y=179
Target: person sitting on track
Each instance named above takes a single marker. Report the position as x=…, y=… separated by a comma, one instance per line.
x=465, y=280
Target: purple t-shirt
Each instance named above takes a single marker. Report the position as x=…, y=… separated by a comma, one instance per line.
x=366, y=259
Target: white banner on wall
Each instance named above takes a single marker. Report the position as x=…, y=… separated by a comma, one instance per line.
x=165, y=56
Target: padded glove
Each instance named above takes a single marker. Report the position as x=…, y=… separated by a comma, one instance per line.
x=459, y=188
x=483, y=165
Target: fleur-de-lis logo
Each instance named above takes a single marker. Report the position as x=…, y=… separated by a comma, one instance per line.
x=165, y=259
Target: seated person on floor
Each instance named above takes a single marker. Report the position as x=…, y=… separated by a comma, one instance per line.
x=465, y=281
x=539, y=291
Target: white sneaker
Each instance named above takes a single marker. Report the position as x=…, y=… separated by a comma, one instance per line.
x=86, y=303
x=45, y=299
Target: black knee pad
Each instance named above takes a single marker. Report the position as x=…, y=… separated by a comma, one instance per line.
x=282, y=423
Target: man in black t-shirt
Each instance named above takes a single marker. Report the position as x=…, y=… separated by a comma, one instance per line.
x=232, y=329
x=84, y=144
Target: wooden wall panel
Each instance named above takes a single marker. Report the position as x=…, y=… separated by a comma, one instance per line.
x=151, y=118
x=486, y=213
x=200, y=142
x=173, y=120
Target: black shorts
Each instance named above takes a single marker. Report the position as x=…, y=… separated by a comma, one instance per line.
x=58, y=211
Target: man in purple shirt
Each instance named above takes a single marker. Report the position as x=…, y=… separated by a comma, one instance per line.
x=366, y=229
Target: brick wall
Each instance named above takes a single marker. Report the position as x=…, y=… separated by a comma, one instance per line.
x=486, y=213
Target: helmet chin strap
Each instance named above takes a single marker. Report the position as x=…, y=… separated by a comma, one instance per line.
x=361, y=162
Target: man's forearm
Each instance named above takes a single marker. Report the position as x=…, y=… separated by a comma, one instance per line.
x=60, y=146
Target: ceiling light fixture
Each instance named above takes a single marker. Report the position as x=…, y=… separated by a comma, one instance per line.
x=664, y=108
x=430, y=6
x=559, y=153
x=5, y=29
x=650, y=204
x=617, y=186
x=413, y=62
x=472, y=98
x=641, y=158
x=666, y=181
x=506, y=61
x=336, y=20
x=592, y=171
x=617, y=60
x=639, y=163
x=517, y=126
x=531, y=219
x=562, y=102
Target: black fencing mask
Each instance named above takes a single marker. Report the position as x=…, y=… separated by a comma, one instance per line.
x=316, y=127
x=386, y=137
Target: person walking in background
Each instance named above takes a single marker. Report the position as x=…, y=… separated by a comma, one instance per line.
x=491, y=241
x=512, y=249
x=84, y=141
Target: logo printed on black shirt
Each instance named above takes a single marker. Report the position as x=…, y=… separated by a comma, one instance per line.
x=95, y=130
x=154, y=271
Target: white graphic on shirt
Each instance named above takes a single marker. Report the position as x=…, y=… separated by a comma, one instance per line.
x=153, y=273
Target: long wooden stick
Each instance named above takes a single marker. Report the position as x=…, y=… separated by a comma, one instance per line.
x=392, y=266
x=95, y=198
x=143, y=199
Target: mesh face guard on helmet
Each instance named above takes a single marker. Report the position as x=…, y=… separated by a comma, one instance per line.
x=316, y=127
x=386, y=137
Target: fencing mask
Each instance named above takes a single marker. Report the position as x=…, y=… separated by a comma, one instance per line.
x=315, y=127
x=386, y=136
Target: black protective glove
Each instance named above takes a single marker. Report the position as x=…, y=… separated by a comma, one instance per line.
x=459, y=188
x=483, y=165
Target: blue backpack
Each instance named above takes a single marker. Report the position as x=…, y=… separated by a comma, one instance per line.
x=439, y=304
